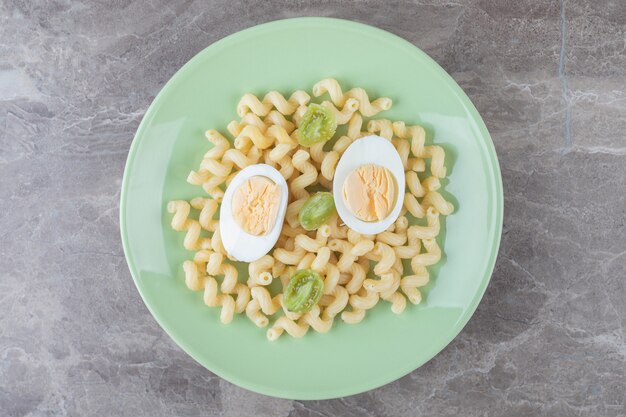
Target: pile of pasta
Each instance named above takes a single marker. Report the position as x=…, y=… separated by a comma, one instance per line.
x=358, y=270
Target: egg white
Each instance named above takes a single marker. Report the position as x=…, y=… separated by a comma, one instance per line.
x=369, y=150
x=239, y=244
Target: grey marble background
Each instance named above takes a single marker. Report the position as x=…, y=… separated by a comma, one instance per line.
x=548, y=77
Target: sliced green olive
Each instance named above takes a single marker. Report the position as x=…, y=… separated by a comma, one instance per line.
x=316, y=210
x=303, y=291
x=318, y=124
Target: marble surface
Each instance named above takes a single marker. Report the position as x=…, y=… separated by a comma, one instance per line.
x=548, y=77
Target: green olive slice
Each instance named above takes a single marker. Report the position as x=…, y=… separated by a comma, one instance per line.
x=316, y=210
x=303, y=291
x=318, y=124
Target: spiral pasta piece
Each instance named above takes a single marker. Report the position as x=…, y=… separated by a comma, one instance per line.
x=367, y=108
x=297, y=99
x=217, y=266
x=210, y=183
x=392, y=238
x=306, y=261
x=253, y=312
x=284, y=143
x=208, y=208
x=278, y=119
x=181, y=222
x=279, y=152
x=340, y=245
x=281, y=135
x=309, y=244
x=329, y=164
x=431, y=183
x=393, y=286
x=259, y=271
x=298, y=114
x=339, y=302
x=213, y=298
x=273, y=99
x=436, y=200
x=383, y=127
x=213, y=190
x=289, y=257
x=332, y=87
x=398, y=302
x=331, y=279
x=301, y=162
x=355, y=124
x=253, y=135
x=364, y=300
x=344, y=115
x=408, y=251
x=220, y=144
x=410, y=284
x=278, y=268
x=362, y=247
x=413, y=206
x=199, y=177
x=216, y=242
x=354, y=237
x=193, y=279
x=437, y=161
x=404, y=150
x=342, y=143
x=413, y=294
x=414, y=185
x=387, y=258
x=345, y=262
x=383, y=284
x=293, y=209
x=243, y=297
x=415, y=133
x=268, y=304
x=416, y=164
x=180, y=209
x=266, y=159
x=317, y=323
x=286, y=167
x=241, y=160
x=431, y=257
x=358, y=272
x=430, y=231
x=214, y=263
x=250, y=119
x=317, y=153
x=321, y=259
x=419, y=278
x=294, y=329
x=217, y=168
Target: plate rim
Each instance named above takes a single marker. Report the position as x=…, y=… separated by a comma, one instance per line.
x=497, y=206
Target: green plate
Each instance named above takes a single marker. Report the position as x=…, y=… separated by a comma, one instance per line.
x=288, y=55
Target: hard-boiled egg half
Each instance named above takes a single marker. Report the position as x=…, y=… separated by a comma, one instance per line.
x=252, y=212
x=368, y=187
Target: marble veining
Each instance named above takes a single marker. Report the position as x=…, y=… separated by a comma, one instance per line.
x=548, y=77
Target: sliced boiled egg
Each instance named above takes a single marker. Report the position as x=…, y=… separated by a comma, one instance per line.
x=368, y=187
x=252, y=212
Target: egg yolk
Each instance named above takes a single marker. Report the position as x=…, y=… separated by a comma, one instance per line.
x=370, y=192
x=255, y=205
